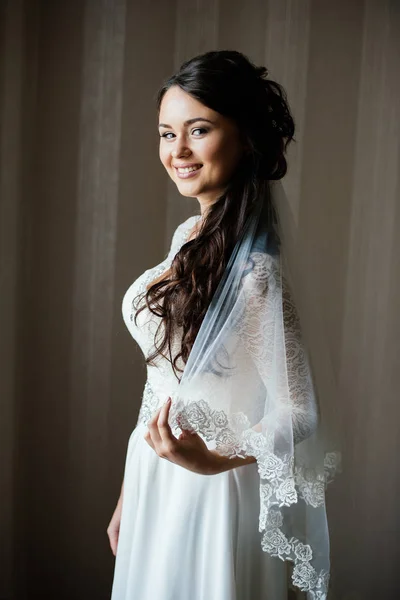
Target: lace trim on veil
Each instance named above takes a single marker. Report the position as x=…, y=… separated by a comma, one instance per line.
x=284, y=479
x=281, y=482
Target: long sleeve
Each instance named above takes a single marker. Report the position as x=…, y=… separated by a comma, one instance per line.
x=256, y=333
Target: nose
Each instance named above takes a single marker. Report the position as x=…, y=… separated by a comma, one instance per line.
x=180, y=149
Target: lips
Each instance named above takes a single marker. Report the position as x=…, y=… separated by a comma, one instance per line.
x=192, y=167
x=189, y=172
x=187, y=165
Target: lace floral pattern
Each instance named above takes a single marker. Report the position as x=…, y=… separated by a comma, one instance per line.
x=281, y=484
x=179, y=238
x=256, y=324
x=150, y=402
x=285, y=479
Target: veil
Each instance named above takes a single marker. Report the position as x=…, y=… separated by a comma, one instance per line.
x=252, y=387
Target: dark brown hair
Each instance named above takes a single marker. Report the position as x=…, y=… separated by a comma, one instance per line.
x=227, y=82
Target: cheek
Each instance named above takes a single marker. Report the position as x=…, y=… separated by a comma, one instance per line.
x=164, y=157
x=225, y=159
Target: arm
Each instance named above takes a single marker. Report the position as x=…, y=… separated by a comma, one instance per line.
x=254, y=328
x=114, y=525
x=254, y=325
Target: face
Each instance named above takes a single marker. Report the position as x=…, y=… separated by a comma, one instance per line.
x=199, y=147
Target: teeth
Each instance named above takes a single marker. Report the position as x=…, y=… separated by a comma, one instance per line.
x=188, y=169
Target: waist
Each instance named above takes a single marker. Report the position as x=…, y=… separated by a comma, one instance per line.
x=151, y=401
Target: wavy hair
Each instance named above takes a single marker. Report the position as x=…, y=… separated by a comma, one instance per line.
x=229, y=83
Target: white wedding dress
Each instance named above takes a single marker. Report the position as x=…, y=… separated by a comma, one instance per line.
x=185, y=536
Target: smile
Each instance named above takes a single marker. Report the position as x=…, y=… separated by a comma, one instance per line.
x=185, y=173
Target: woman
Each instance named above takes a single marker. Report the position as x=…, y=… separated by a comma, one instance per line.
x=187, y=521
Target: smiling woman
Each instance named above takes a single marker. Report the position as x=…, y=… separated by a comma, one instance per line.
x=229, y=395
x=200, y=160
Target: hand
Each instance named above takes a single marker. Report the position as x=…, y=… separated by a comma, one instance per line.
x=113, y=528
x=188, y=451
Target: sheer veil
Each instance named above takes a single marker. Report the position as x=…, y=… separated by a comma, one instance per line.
x=258, y=384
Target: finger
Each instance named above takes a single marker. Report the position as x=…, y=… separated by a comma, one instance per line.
x=164, y=429
x=186, y=435
x=154, y=416
x=153, y=428
x=147, y=437
x=186, y=430
x=169, y=443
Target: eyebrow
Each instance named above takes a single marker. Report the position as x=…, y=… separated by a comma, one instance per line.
x=188, y=122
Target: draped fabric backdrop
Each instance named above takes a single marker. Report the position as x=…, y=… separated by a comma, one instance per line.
x=86, y=207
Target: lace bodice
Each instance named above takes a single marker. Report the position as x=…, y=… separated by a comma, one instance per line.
x=161, y=380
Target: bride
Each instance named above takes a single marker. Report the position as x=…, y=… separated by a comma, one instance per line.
x=214, y=491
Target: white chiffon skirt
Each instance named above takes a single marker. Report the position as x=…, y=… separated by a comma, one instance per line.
x=185, y=536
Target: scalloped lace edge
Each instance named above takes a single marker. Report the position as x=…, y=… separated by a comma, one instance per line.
x=282, y=482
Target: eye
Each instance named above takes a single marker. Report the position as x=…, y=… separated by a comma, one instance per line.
x=164, y=135
x=201, y=129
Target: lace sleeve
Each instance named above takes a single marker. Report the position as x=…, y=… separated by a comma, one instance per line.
x=255, y=332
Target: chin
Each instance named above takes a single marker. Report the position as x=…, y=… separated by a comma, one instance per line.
x=189, y=191
x=187, y=194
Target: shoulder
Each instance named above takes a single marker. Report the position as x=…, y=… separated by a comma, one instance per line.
x=190, y=221
x=182, y=230
x=261, y=266
x=263, y=262
x=184, y=227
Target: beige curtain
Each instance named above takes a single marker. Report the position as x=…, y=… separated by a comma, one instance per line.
x=85, y=208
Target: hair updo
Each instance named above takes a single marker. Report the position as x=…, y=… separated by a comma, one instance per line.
x=229, y=83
